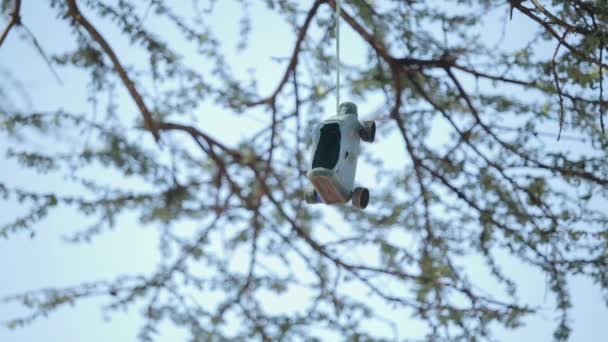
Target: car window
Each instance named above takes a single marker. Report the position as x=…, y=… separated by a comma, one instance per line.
x=328, y=148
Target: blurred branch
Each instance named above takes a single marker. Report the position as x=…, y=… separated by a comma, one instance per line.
x=444, y=61
x=424, y=192
x=15, y=20
x=74, y=12
x=601, y=71
x=557, y=86
x=559, y=21
x=529, y=13
x=293, y=61
x=377, y=45
x=44, y=56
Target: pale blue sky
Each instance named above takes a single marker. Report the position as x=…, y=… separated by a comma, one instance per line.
x=47, y=261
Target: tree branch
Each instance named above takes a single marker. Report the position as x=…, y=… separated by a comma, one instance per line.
x=528, y=12
x=74, y=12
x=293, y=61
x=377, y=45
x=15, y=20
x=557, y=86
x=444, y=61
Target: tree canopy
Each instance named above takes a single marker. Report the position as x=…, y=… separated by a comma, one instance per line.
x=493, y=109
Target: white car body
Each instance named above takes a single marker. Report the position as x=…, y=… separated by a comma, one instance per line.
x=333, y=168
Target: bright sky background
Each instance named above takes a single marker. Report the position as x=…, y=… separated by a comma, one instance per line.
x=47, y=261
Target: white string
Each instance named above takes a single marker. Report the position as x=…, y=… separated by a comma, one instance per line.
x=338, y=7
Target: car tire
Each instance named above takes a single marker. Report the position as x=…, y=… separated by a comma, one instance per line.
x=368, y=131
x=360, y=198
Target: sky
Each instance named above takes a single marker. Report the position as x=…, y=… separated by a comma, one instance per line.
x=47, y=261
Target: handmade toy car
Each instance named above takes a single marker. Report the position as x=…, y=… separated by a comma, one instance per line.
x=335, y=153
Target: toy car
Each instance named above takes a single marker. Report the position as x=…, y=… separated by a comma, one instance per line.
x=334, y=163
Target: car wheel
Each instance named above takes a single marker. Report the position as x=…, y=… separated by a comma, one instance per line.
x=368, y=131
x=360, y=198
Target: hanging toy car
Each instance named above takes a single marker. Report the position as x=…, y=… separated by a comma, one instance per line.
x=335, y=154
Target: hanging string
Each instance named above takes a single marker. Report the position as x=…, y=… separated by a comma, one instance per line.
x=338, y=7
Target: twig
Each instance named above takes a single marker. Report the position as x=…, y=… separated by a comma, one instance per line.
x=547, y=26
x=74, y=12
x=602, y=86
x=293, y=61
x=368, y=37
x=38, y=47
x=559, y=21
x=14, y=21
x=443, y=62
x=424, y=192
x=559, y=89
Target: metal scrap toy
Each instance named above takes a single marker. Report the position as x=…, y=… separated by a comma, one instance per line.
x=335, y=153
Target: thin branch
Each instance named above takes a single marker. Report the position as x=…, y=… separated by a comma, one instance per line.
x=74, y=12
x=424, y=192
x=559, y=21
x=14, y=21
x=168, y=126
x=293, y=61
x=559, y=89
x=40, y=50
x=443, y=62
x=526, y=158
x=377, y=45
x=494, y=77
x=602, y=86
x=528, y=12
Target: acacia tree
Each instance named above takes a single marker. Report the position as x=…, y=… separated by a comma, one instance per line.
x=498, y=186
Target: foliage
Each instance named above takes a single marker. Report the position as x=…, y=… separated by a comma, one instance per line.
x=520, y=173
